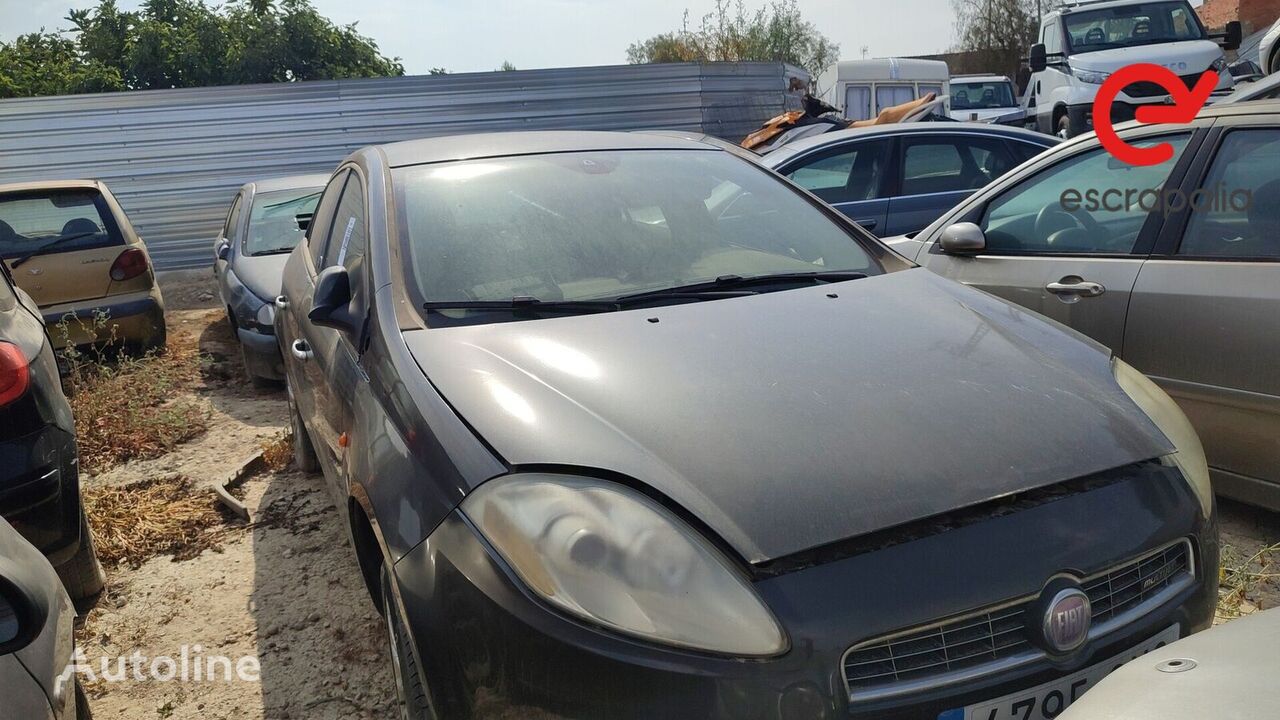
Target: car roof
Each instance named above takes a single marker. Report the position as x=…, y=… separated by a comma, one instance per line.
x=1081, y=5
x=1237, y=109
x=50, y=185
x=291, y=182
x=815, y=141
x=1247, y=90
x=503, y=144
x=979, y=78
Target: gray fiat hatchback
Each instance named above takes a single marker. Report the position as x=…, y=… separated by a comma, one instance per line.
x=625, y=426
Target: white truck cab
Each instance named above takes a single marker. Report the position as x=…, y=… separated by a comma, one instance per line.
x=1083, y=41
x=860, y=89
x=987, y=99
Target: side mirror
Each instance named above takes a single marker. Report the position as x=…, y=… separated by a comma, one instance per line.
x=304, y=220
x=331, y=303
x=224, y=250
x=963, y=239
x=1234, y=35
x=1039, y=59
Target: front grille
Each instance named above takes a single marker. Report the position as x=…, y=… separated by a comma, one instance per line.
x=1149, y=89
x=989, y=639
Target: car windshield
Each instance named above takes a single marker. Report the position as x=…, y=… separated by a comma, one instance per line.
x=273, y=223
x=1130, y=25
x=54, y=221
x=601, y=225
x=981, y=95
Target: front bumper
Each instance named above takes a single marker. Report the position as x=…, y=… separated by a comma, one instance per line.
x=488, y=646
x=40, y=491
x=261, y=354
x=133, y=319
x=1122, y=110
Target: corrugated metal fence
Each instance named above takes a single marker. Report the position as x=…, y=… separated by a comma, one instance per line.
x=174, y=158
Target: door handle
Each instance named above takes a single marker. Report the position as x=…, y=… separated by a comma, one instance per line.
x=301, y=350
x=1075, y=287
x=282, y=302
x=868, y=224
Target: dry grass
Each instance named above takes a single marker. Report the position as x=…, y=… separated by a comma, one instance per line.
x=1240, y=576
x=133, y=408
x=277, y=452
x=136, y=522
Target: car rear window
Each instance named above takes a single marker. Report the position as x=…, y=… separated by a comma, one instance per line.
x=55, y=221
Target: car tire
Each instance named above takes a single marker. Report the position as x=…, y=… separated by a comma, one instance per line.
x=1064, y=129
x=411, y=693
x=82, y=575
x=82, y=703
x=258, y=382
x=304, y=452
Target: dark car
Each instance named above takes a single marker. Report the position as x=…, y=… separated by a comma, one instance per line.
x=261, y=229
x=39, y=467
x=896, y=179
x=37, y=647
x=627, y=427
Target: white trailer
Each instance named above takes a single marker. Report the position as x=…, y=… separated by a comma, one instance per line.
x=860, y=89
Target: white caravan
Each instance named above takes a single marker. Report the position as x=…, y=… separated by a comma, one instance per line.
x=860, y=89
x=1082, y=43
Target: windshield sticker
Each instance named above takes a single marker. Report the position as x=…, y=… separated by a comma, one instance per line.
x=346, y=240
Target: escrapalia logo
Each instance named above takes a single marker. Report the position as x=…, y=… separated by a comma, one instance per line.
x=1186, y=102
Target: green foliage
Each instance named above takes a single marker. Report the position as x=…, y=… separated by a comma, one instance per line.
x=507, y=66
x=188, y=43
x=777, y=32
x=994, y=34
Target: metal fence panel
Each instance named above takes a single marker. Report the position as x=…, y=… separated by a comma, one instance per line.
x=174, y=158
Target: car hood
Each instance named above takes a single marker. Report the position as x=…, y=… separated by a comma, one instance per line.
x=262, y=274
x=1183, y=58
x=790, y=420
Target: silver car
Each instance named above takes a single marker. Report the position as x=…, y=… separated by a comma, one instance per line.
x=36, y=643
x=1175, y=266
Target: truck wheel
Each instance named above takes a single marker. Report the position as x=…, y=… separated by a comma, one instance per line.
x=304, y=452
x=82, y=575
x=1065, y=131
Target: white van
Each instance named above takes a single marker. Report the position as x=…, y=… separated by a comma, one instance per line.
x=860, y=89
x=1083, y=42
x=986, y=98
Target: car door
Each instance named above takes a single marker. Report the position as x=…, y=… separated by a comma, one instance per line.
x=851, y=176
x=1050, y=249
x=335, y=355
x=937, y=171
x=1204, y=321
x=297, y=289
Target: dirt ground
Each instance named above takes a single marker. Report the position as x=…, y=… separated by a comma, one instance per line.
x=285, y=589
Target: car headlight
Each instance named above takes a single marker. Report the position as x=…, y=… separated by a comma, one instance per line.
x=1090, y=76
x=610, y=555
x=266, y=317
x=1169, y=418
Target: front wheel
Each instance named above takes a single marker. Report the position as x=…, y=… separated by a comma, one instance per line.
x=411, y=695
x=304, y=452
x=1065, y=131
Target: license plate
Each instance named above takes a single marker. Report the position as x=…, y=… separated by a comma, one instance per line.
x=1047, y=701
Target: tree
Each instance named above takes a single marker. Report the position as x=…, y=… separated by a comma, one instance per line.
x=774, y=33
x=188, y=43
x=507, y=66
x=995, y=34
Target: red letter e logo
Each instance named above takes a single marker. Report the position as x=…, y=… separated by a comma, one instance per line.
x=1186, y=103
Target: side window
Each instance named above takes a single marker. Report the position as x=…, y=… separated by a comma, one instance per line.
x=1052, y=38
x=318, y=232
x=1243, y=219
x=1089, y=203
x=952, y=164
x=230, y=229
x=1023, y=152
x=889, y=95
x=347, y=233
x=857, y=102
x=849, y=175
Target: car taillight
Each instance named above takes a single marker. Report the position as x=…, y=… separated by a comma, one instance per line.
x=130, y=264
x=15, y=373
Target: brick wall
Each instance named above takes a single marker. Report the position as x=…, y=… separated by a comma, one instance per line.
x=1254, y=15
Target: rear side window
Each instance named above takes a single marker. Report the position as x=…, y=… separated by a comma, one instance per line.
x=952, y=164
x=851, y=174
x=1243, y=222
x=55, y=221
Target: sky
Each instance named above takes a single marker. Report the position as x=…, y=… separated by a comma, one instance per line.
x=478, y=35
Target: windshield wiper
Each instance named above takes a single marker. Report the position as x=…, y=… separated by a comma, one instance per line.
x=718, y=287
x=272, y=251
x=50, y=245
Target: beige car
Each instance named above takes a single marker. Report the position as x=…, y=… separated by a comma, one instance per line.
x=71, y=247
